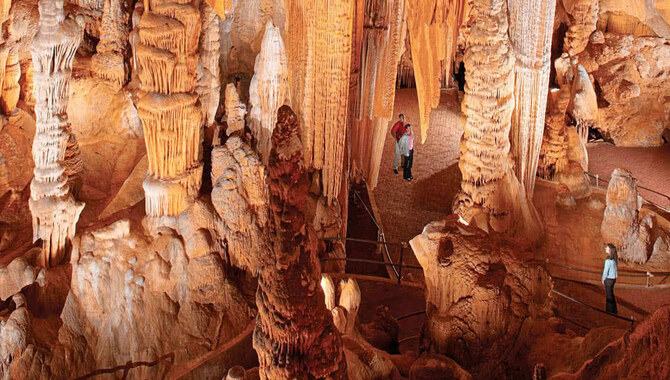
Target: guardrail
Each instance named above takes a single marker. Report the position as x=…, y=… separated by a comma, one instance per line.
x=631, y=319
x=606, y=180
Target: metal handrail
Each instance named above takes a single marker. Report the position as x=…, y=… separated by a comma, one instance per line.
x=631, y=319
x=370, y=262
x=598, y=178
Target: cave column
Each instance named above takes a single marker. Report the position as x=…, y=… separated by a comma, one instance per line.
x=55, y=151
x=530, y=30
x=168, y=106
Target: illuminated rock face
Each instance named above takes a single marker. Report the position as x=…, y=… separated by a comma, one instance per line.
x=113, y=51
x=235, y=110
x=295, y=336
x=318, y=43
x=479, y=290
x=209, y=85
x=55, y=151
x=531, y=27
x=489, y=185
x=11, y=89
x=433, y=28
x=583, y=16
x=269, y=89
x=167, y=56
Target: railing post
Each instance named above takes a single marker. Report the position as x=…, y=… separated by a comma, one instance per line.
x=402, y=251
x=648, y=276
x=596, y=180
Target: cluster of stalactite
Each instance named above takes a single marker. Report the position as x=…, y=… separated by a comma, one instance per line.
x=294, y=336
x=54, y=210
x=269, y=89
x=167, y=58
x=433, y=29
x=383, y=34
x=583, y=17
x=209, y=83
x=489, y=183
x=318, y=43
x=531, y=29
x=113, y=51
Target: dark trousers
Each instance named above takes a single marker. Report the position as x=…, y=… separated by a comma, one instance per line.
x=407, y=165
x=610, y=304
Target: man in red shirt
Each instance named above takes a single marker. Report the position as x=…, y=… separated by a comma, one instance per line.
x=397, y=131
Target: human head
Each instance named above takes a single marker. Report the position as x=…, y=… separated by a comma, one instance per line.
x=401, y=117
x=610, y=249
x=408, y=129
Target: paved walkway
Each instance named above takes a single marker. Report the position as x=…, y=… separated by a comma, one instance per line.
x=406, y=207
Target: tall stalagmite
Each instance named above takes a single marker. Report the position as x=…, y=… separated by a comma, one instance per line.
x=54, y=210
x=113, y=51
x=295, y=337
x=433, y=29
x=269, y=89
x=531, y=28
x=209, y=77
x=319, y=55
x=383, y=42
x=167, y=56
x=489, y=184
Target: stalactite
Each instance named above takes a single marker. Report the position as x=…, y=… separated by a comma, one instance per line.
x=167, y=57
x=269, y=89
x=531, y=28
x=583, y=15
x=489, y=183
x=27, y=82
x=433, y=27
x=54, y=210
x=10, y=87
x=209, y=84
x=319, y=56
x=235, y=110
x=295, y=337
x=111, y=60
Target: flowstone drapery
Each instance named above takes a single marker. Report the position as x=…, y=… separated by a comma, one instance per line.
x=433, y=28
x=167, y=56
x=318, y=43
x=208, y=86
x=269, y=89
x=489, y=184
x=531, y=27
x=294, y=336
x=54, y=210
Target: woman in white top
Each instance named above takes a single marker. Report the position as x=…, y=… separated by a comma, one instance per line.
x=609, y=278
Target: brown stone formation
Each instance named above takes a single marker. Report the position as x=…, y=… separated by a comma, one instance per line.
x=479, y=291
x=583, y=106
x=294, y=337
x=531, y=72
x=433, y=29
x=583, y=15
x=622, y=223
x=489, y=184
x=383, y=41
x=55, y=151
x=10, y=88
x=269, y=89
x=235, y=110
x=318, y=44
x=111, y=62
x=641, y=18
x=221, y=7
x=209, y=79
x=167, y=56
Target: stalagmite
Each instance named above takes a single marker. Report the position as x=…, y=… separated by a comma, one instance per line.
x=10, y=88
x=489, y=184
x=531, y=28
x=111, y=60
x=583, y=17
x=269, y=89
x=235, y=110
x=383, y=41
x=294, y=335
x=319, y=55
x=209, y=85
x=55, y=152
x=433, y=28
x=167, y=56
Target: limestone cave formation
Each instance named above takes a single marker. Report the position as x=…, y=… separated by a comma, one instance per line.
x=212, y=189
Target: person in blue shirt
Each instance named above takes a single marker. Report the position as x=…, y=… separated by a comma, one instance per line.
x=609, y=278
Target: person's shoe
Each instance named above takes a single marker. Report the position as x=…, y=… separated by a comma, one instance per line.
x=395, y=171
x=411, y=178
x=407, y=179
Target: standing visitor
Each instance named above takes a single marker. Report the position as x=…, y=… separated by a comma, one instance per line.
x=407, y=150
x=609, y=278
x=397, y=131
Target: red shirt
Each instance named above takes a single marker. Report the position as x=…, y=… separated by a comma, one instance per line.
x=398, y=129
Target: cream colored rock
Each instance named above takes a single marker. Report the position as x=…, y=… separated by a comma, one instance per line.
x=16, y=276
x=208, y=86
x=583, y=107
x=583, y=15
x=112, y=52
x=235, y=110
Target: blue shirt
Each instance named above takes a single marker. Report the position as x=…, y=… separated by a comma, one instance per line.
x=610, y=269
